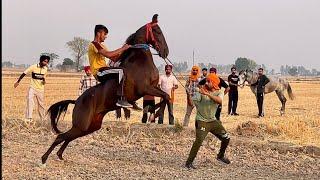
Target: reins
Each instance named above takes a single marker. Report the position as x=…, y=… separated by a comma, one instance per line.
x=174, y=73
x=150, y=36
x=147, y=47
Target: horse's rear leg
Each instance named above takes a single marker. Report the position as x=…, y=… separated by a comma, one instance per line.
x=73, y=132
x=283, y=100
x=71, y=135
x=59, y=139
x=165, y=99
x=62, y=148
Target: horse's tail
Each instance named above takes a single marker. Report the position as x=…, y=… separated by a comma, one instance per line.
x=291, y=96
x=55, y=112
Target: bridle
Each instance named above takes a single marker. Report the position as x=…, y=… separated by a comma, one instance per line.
x=150, y=35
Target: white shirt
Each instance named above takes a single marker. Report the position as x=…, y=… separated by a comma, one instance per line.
x=167, y=83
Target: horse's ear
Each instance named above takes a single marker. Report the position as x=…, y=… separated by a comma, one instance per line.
x=155, y=18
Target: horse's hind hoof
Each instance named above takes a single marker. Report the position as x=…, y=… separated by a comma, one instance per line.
x=60, y=157
x=44, y=159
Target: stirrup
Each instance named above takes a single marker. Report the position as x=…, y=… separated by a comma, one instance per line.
x=123, y=103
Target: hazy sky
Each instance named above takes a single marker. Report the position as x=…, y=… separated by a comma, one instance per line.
x=271, y=32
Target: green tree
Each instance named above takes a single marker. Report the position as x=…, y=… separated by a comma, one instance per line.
x=202, y=65
x=293, y=71
x=52, y=56
x=67, y=61
x=7, y=64
x=180, y=67
x=245, y=63
x=79, y=48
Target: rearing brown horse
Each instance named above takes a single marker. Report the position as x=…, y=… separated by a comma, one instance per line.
x=141, y=79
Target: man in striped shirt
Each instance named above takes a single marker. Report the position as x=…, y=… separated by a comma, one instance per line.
x=87, y=81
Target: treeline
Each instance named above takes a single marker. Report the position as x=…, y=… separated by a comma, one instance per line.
x=298, y=71
x=9, y=64
x=242, y=63
x=79, y=48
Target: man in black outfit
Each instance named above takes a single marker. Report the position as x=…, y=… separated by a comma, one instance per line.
x=204, y=73
x=233, y=80
x=221, y=84
x=261, y=83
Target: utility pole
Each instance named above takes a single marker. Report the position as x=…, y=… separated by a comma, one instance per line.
x=193, y=57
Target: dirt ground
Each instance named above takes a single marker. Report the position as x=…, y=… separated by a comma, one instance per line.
x=136, y=151
x=275, y=147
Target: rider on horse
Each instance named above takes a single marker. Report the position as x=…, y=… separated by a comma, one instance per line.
x=97, y=53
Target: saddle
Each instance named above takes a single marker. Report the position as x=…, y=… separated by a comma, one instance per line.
x=107, y=73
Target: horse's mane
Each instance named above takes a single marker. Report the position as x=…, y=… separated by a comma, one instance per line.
x=130, y=39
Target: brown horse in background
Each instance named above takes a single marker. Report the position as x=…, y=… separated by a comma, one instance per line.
x=141, y=79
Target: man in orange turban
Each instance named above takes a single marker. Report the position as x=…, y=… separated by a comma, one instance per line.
x=222, y=84
x=207, y=100
x=191, y=85
x=213, y=81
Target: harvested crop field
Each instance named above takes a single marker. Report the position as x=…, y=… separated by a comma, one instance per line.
x=274, y=147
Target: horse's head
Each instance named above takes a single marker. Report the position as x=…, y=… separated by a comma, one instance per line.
x=245, y=75
x=151, y=34
x=242, y=77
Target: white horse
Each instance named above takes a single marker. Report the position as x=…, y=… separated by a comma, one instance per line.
x=278, y=85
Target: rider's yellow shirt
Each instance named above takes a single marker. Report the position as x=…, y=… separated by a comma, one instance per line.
x=96, y=59
x=37, y=75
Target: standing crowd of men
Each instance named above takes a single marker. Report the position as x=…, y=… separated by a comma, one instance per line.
x=167, y=82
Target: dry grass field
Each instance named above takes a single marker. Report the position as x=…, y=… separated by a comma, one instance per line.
x=274, y=147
